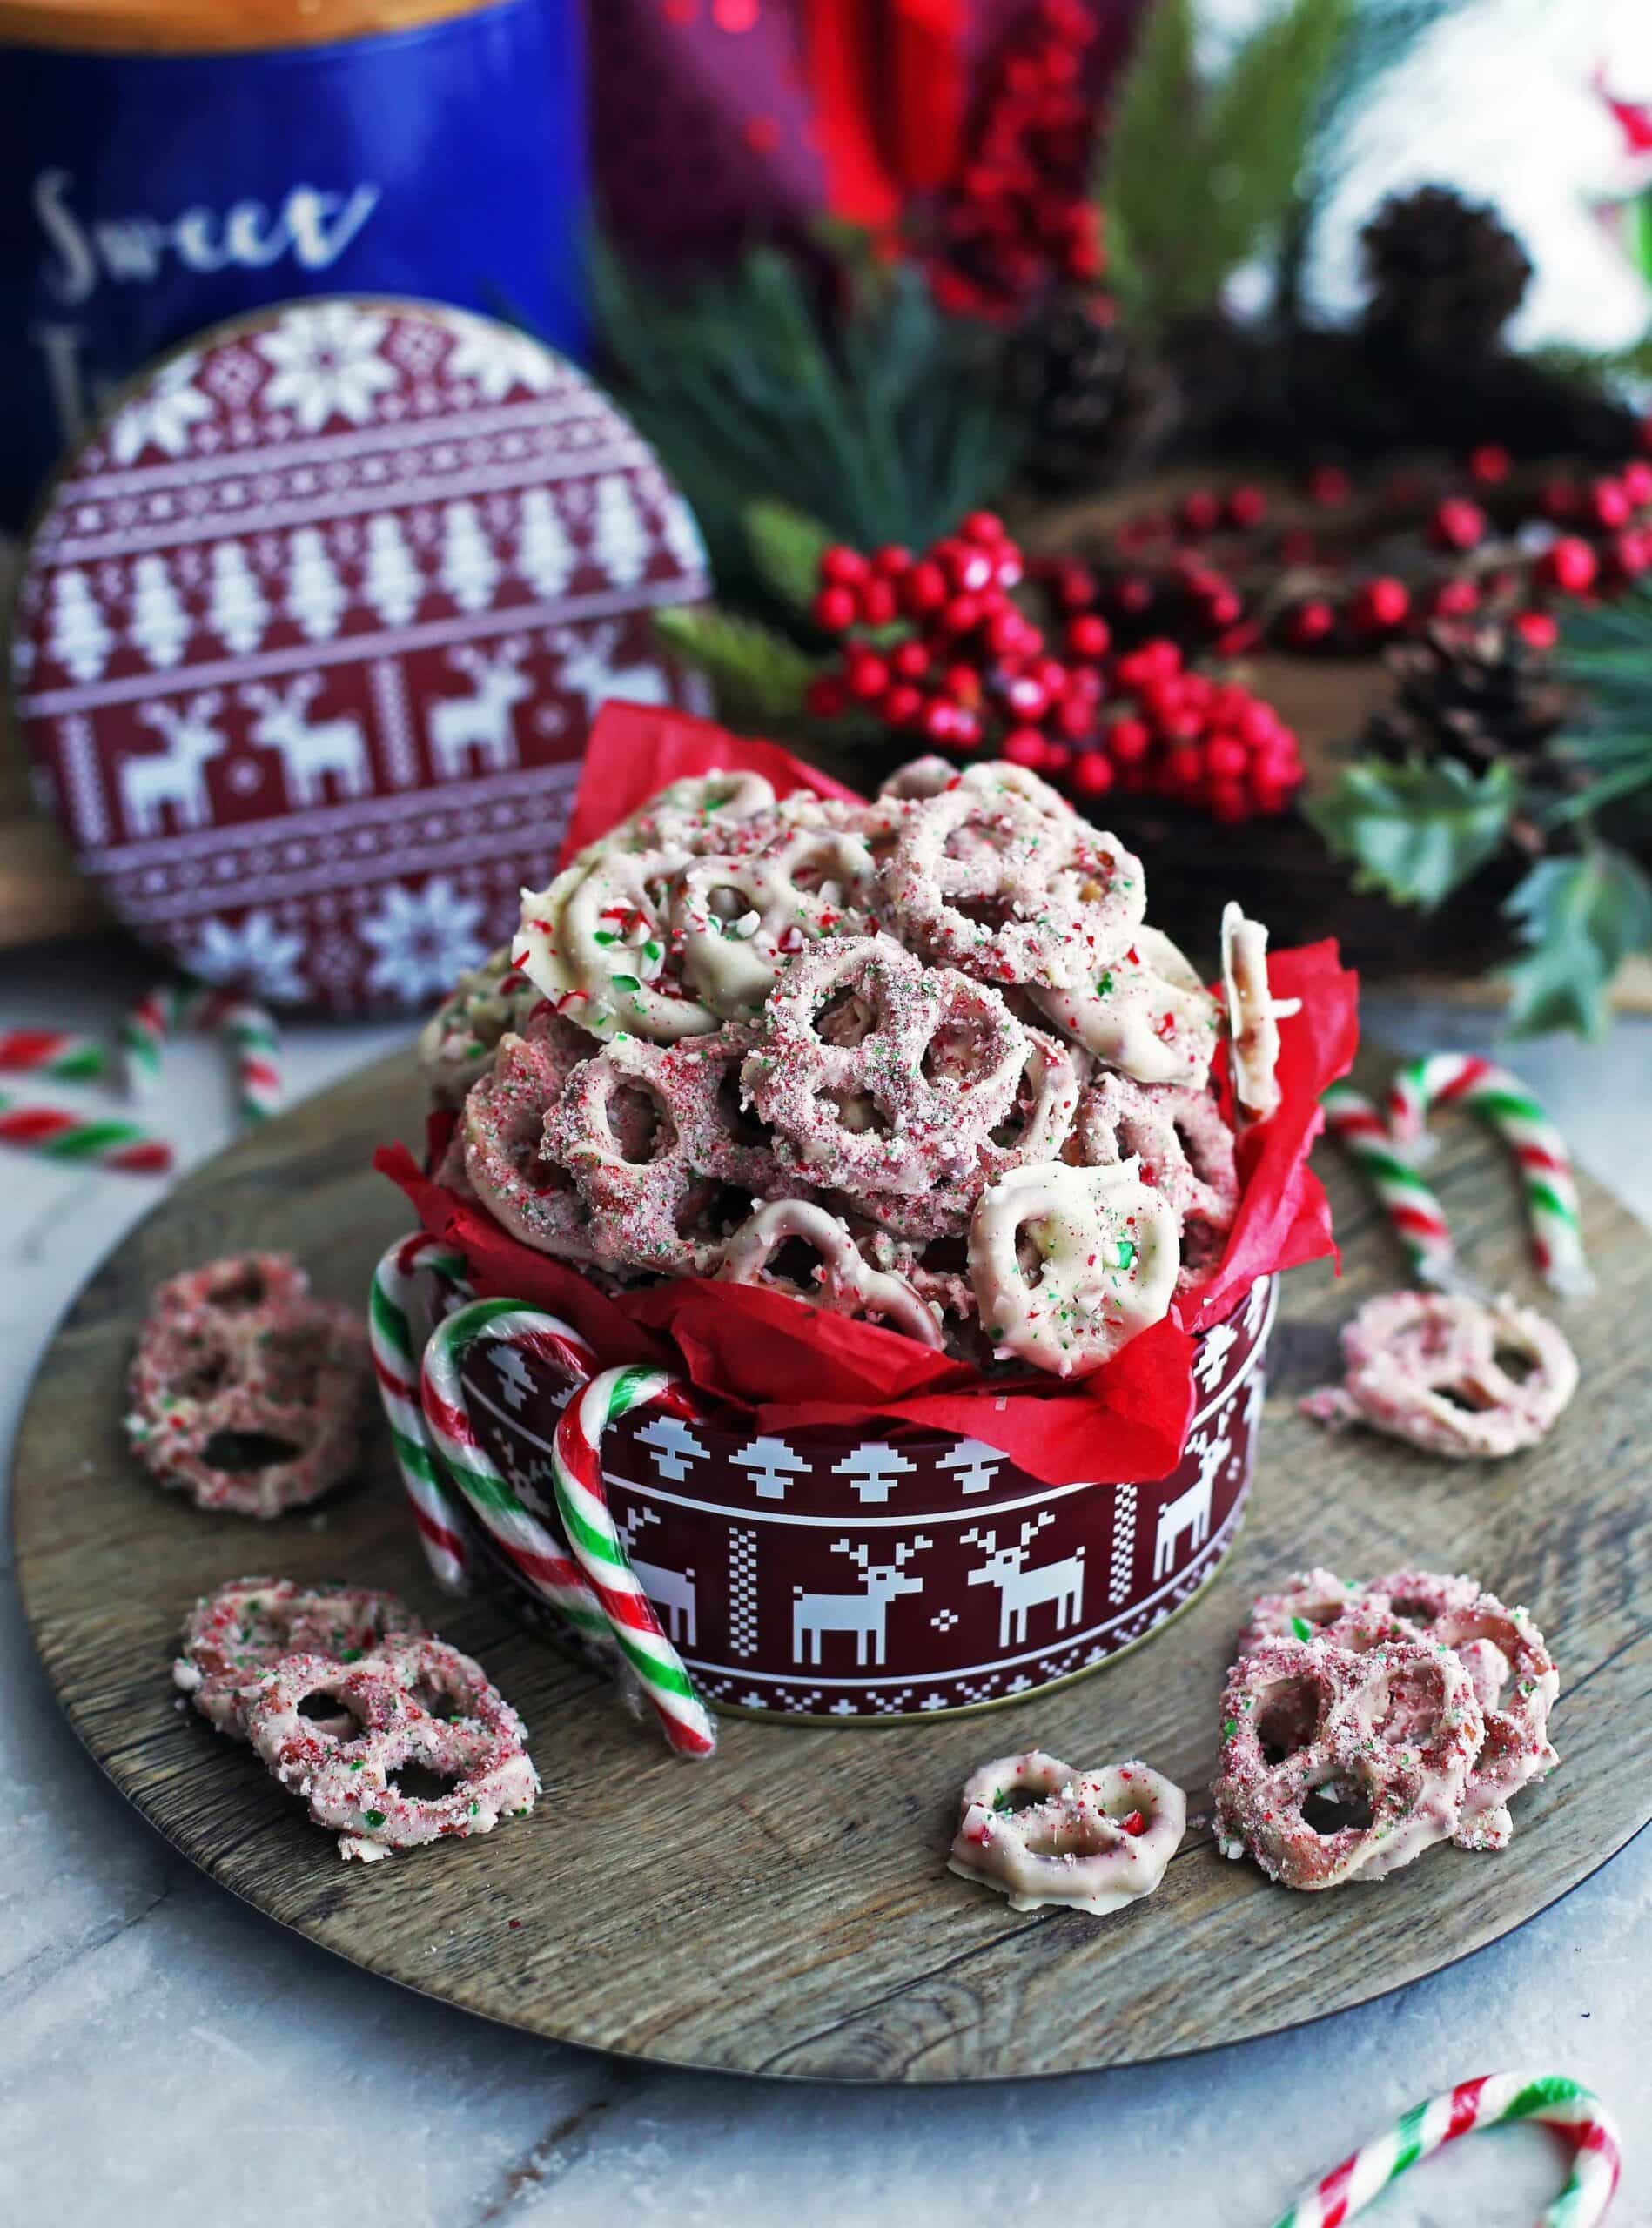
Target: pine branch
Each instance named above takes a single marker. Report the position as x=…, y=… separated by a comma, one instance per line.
x=885, y=423
x=1196, y=178
x=786, y=550
x=757, y=674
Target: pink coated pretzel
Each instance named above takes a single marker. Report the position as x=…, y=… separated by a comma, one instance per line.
x=414, y=1701
x=650, y=1135
x=1095, y=1840
x=1069, y=1264
x=505, y=1155
x=1184, y=1149
x=735, y=921
x=1146, y=1012
x=845, y=1283
x=247, y=1392
x=1500, y=1649
x=1036, y=1129
x=932, y=1063
x=1410, y=1775
x=1010, y=892
x=1426, y=1367
x=233, y=1638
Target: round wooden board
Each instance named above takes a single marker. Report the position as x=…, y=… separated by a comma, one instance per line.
x=784, y=1909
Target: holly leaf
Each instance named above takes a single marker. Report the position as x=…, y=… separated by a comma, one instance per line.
x=757, y=672
x=1579, y=918
x=1416, y=832
x=786, y=548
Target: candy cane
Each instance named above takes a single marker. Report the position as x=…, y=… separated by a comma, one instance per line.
x=144, y=1033
x=530, y=1545
x=60, y=1136
x=395, y=1361
x=57, y=1054
x=582, y=1498
x=256, y=1043
x=163, y=1012
x=1547, y=1176
x=1417, y=1218
x=1495, y=2100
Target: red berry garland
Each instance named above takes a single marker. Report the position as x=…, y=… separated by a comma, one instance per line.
x=1020, y=216
x=974, y=673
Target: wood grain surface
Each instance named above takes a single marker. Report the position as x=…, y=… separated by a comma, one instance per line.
x=784, y=1909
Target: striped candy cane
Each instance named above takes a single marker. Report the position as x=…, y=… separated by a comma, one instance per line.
x=252, y=1032
x=256, y=1043
x=57, y=1054
x=531, y=1547
x=1545, y=1165
x=144, y=1033
x=56, y=1135
x=582, y=1498
x=1495, y=2100
x=1416, y=1215
x=395, y=1361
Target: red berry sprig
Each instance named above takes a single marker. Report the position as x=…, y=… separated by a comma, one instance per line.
x=963, y=669
x=1020, y=216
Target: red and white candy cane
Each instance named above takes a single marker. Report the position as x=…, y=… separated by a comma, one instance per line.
x=530, y=1545
x=581, y=1499
x=1494, y=2100
x=395, y=1361
x=1547, y=1180
x=1414, y=1214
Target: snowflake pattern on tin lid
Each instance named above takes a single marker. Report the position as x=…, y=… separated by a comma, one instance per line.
x=313, y=628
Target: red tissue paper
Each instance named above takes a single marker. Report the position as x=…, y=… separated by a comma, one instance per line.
x=793, y=1367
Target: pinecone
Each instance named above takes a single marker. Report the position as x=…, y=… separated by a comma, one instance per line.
x=1446, y=276
x=1474, y=694
x=1093, y=400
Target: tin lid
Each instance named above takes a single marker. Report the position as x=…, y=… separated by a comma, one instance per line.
x=310, y=631
x=146, y=27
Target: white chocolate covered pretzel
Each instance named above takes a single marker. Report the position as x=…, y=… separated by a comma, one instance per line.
x=1145, y=1012
x=1253, y=1015
x=844, y=1282
x=1038, y=1832
x=1069, y=1264
x=735, y=923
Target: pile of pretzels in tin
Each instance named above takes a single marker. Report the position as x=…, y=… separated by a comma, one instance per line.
x=918, y=1060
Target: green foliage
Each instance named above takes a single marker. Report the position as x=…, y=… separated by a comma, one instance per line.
x=1579, y=918
x=1416, y=832
x=883, y=420
x=1198, y=177
x=785, y=548
x=757, y=674
x=1606, y=653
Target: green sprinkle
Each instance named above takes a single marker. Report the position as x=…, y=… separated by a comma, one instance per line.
x=352, y=1655
x=1302, y=1628
x=606, y=935
x=625, y=982
x=356, y=1763
x=1106, y=985
x=1124, y=1253
x=475, y=1807
x=652, y=951
x=374, y=1818
x=1230, y=1726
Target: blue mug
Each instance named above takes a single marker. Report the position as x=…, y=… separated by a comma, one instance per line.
x=145, y=195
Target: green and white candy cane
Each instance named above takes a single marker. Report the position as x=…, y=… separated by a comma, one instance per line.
x=395, y=1361
x=526, y=1541
x=1541, y=1153
x=1494, y=2100
x=581, y=1499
